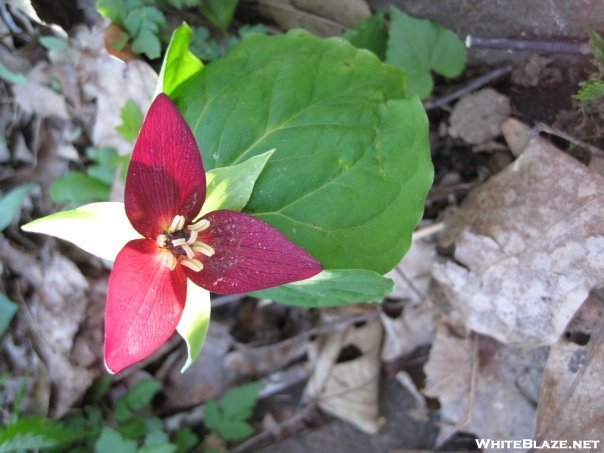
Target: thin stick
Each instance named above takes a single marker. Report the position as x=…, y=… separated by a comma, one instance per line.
x=512, y=44
x=594, y=150
x=469, y=87
x=253, y=442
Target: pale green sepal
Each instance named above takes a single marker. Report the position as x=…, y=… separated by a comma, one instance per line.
x=99, y=228
x=179, y=63
x=231, y=187
x=194, y=322
x=331, y=288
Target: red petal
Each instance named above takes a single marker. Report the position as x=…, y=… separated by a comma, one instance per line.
x=250, y=255
x=166, y=176
x=144, y=303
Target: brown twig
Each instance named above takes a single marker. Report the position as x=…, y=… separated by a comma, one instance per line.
x=541, y=127
x=513, y=44
x=469, y=87
x=253, y=442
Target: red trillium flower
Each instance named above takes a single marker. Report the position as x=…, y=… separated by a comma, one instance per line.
x=224, y=251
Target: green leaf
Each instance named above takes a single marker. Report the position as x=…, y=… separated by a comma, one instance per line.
x=141, y=394
x=11, y=77
x=418, y=46
x=179, y=62
x=132, y=118
x=203, y=46
x=10, y=204
x=185, y=439
x=590, y=90
x=351, y=169
x=331, y=288
x=53, y=43
x=245, y=30
x=34, y=432
x=239, y=402
x=157, y=442
x=231, y=187
x=228, y=418
x=110, y=441
x=144, y=24
x=194, y=321
x=99, y=228
x=234, y=429
x=7, y=310
x=77, y=188
x=219, y=12
x=596, y=42
x=114, y=10
x=371, y=34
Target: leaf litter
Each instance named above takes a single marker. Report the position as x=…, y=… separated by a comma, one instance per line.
x=527, y=253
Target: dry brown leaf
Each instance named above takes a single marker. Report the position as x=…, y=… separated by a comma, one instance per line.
x=476, y=379
x=37, y=98
x=529, y=246
x=516, y=135
x=55, y=313
x=477, y=117
x=349, y=389
x=570, y=406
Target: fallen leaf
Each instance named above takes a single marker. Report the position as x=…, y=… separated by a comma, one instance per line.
x=348, y=387
x=516, y=135
x=529, y=246
x=36, y=98
x=570, y=405
x=476, y=381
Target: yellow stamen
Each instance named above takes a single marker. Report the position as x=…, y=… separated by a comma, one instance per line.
x=188, y=251
x=161, y=240
x=169, y=260
x=192, y=237
x=203, y=248
x=193, y=264
x=200, y=226
x=177, y=224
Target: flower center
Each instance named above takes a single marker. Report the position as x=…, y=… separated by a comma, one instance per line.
x=179, y=243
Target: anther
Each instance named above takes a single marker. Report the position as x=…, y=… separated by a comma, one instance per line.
x=200, y=226
x=178, y=242
x=188, y=251
x=161, y=240
x=192, y=237
x=177, y=224
x=169, y=260
x=193, y=264
x=203, y=248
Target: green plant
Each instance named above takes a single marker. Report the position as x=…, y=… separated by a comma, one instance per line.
x=228, y=416
x=127, y=428
x=132, y=118
x=76, y=187
x=416, y=46
x=593, y=88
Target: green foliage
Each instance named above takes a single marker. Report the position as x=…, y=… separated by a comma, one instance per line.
x=138, y=397
x=352, y=165
x=418, y=46
x=132, y=118
x=76, y=188
x=53, y=43
x=593, y=88
x=208, y=49
x=12, y=77
x=331, y=288
x=34, y=433
x=7, y=310
x=219, y=12
x=142, y=22
x=111, y=441
x=228, y=416
x=10, y=204
x=371, y=34
x=179, y=62
x=231, y=187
